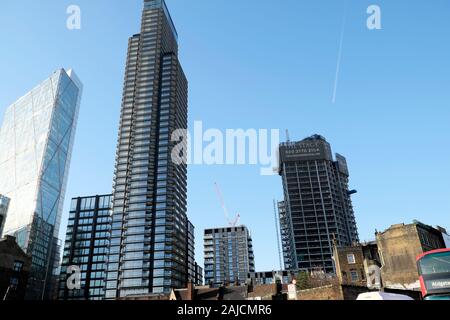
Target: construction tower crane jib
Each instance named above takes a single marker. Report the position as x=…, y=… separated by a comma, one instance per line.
x=224, y=208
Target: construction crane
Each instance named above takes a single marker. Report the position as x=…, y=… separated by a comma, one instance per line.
x=233, y=223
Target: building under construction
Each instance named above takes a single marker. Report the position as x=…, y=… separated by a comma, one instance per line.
x=317, y=207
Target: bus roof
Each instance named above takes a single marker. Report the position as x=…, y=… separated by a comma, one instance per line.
x=420, y=256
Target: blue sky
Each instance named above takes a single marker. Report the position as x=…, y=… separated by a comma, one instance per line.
x=263, y=64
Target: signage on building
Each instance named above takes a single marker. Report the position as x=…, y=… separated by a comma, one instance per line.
x=307, y=150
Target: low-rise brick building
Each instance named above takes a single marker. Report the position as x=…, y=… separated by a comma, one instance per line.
x=15, y=267
x=353, y=263
x=399, y=246
x=389, y=263
x=350, y=265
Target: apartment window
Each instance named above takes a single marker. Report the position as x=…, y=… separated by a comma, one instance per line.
x=351, y=258
x=73, y=205
x=18, y=266
x=14, y=283
x=354, y=275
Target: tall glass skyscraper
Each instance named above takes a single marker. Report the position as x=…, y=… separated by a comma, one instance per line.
x=317, y=206
x=149, y=237
x=36, y=140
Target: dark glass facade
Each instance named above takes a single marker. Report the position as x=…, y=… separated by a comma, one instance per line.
x=86, y=247
x=149, y=239
x=228, y=255
x=191, y=267
x=198, y=279
x=317, y=206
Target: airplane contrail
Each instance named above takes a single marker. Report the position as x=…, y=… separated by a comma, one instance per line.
x=341, y=45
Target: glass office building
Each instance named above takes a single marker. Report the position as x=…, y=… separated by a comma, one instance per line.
x=86, y=247
x=149, y=238
x=317, y=206
x=4, y=204
x=36, y=140
x=228, y=255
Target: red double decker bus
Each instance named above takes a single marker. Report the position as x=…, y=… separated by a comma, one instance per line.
x=434, y=272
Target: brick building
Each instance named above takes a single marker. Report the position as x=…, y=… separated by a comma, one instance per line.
x=353, y=263
x=15, y=267
x=399, y=246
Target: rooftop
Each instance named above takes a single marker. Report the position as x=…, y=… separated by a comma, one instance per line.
x=161, y=4
x=314, y=137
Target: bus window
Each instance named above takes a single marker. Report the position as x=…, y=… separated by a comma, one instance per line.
x=434, y=272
